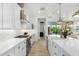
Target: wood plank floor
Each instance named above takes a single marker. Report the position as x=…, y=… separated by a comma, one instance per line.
x=39, y=48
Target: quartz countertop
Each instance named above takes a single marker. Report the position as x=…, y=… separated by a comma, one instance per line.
x=7, y=40
x=9, y=43
x=70, y=45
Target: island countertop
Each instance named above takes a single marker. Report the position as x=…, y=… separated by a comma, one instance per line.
x=70, y=45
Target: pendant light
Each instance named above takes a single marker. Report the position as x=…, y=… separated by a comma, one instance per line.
x=60, y=21
x=76, y=14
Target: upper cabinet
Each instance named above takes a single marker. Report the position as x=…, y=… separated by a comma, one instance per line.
x=0, y=15
x=9, y=16
x=17, y=17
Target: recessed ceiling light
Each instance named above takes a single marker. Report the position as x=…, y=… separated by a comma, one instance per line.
x=42, y=9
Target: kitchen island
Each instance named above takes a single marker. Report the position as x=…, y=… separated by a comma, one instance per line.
x=63, y=47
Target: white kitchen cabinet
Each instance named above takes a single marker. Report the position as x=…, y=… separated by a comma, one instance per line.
x=11, y=16
x=8, y=15
x=0, y=15
x=58, y=51
x=20, y=49
x=32, y=39
x=10, y=52
x=54, y=49
x=17, y=22
x=64, y=53
x=50, y=48
x=23, y=48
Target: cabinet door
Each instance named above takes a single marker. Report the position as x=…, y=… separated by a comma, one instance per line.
x=0, y=15
x=23, y=48
x=58, y=51
x=10, y=52
x=50, y=46
x=32, y=39
x=8, y=15
x=64, y=53
x=55, y=48
x=20, y=49
x=17, y=23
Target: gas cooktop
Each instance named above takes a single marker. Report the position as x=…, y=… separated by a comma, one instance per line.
x=22, y=36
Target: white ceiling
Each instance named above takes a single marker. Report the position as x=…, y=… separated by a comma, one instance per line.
x=51, y=10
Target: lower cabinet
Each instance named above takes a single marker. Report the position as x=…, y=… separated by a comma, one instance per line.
x=50, y=48
x=23, y=49
x=64, y=53
x=18, y=50
x=32, y=39
x=58, y=51
x=54, y=49
x=11, y=52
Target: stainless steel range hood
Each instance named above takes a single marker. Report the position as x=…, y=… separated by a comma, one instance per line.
x=21, y=5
